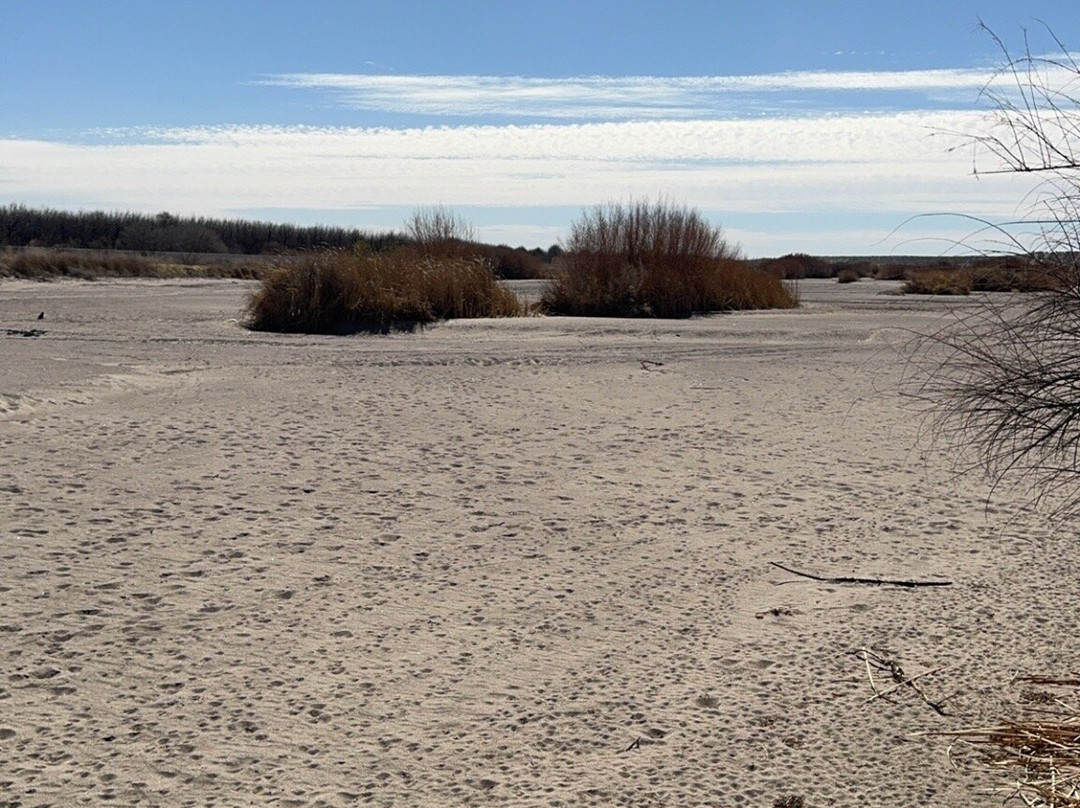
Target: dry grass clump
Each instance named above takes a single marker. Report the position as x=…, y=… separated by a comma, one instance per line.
x=991, y=276
x=45, y=264
x=1011, y=277
x=339, y=292
x=655, y=260
x=1043, y=752
x=40, y=263
x=939, y=282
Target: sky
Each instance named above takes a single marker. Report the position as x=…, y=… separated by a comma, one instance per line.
x=832, y=128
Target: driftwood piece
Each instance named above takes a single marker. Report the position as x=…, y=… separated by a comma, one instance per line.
x=853, y=580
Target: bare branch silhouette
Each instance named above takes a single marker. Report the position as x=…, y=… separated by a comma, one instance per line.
x=1004, y=381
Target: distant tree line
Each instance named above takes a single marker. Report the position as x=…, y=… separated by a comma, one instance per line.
x=21, y=226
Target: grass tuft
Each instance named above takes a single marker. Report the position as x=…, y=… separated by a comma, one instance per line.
x=339, y=292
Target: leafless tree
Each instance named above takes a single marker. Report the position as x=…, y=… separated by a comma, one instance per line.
x=1006, y=395
x=436, y=225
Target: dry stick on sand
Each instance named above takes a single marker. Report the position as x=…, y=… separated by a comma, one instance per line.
x=873, y=660
x=850, y=580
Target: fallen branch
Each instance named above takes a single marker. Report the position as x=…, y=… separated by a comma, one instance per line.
x=852, y=580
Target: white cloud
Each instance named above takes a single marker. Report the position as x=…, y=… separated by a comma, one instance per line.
x=620, y=98
x=840, y=166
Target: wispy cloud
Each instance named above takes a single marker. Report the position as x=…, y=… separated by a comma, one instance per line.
x=843, y=165
x=549, y=144
x=621, y=98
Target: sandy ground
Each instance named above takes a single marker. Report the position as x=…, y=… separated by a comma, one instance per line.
x=493, y=563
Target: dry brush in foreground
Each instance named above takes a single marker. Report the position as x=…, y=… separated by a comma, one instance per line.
x=1040, y=752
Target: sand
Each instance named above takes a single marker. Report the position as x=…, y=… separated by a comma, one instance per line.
x=520, y=562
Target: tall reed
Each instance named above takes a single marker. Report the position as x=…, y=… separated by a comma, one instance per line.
x=345, y=291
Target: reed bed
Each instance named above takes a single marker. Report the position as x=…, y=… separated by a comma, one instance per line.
x=344, y=291
x=46, y=264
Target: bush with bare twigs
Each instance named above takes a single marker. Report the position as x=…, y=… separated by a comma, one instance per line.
x=646, y=259
x=1007, y=390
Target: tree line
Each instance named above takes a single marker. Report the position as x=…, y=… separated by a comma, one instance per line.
x=21, y=226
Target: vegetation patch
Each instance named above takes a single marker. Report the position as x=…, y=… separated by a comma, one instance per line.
x=655, y=260
x=346, y=291
x=38, y=263
x=799, y=266
x=939, y=282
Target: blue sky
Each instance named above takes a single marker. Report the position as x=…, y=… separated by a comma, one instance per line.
x=797, y=126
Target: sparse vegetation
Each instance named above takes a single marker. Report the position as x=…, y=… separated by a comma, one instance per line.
x=345, y=291
x=21, y=226
x=647, y=259
x=1004, y=379
x=799, y=266
x=46, y=264
x=517, y=263
x=938, y=282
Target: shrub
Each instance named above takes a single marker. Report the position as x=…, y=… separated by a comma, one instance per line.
x=938, y=282
x=848, y=275
x=1011, y=276
x=511, y=263
x=339, y=292
x=654, y=260
x=797, y=266
x=438, y=232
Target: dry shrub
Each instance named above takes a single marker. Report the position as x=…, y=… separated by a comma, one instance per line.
x=939, y=282
x=343, y=292
x=46, y=264
x=739, y=287
x=655, y=260
x=438, y=229
x=1011, y=277
x=1040, y=751
x=41, y=263
x=887, y=271
x=798, y=266
x=516, y=263
x=848, y=275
